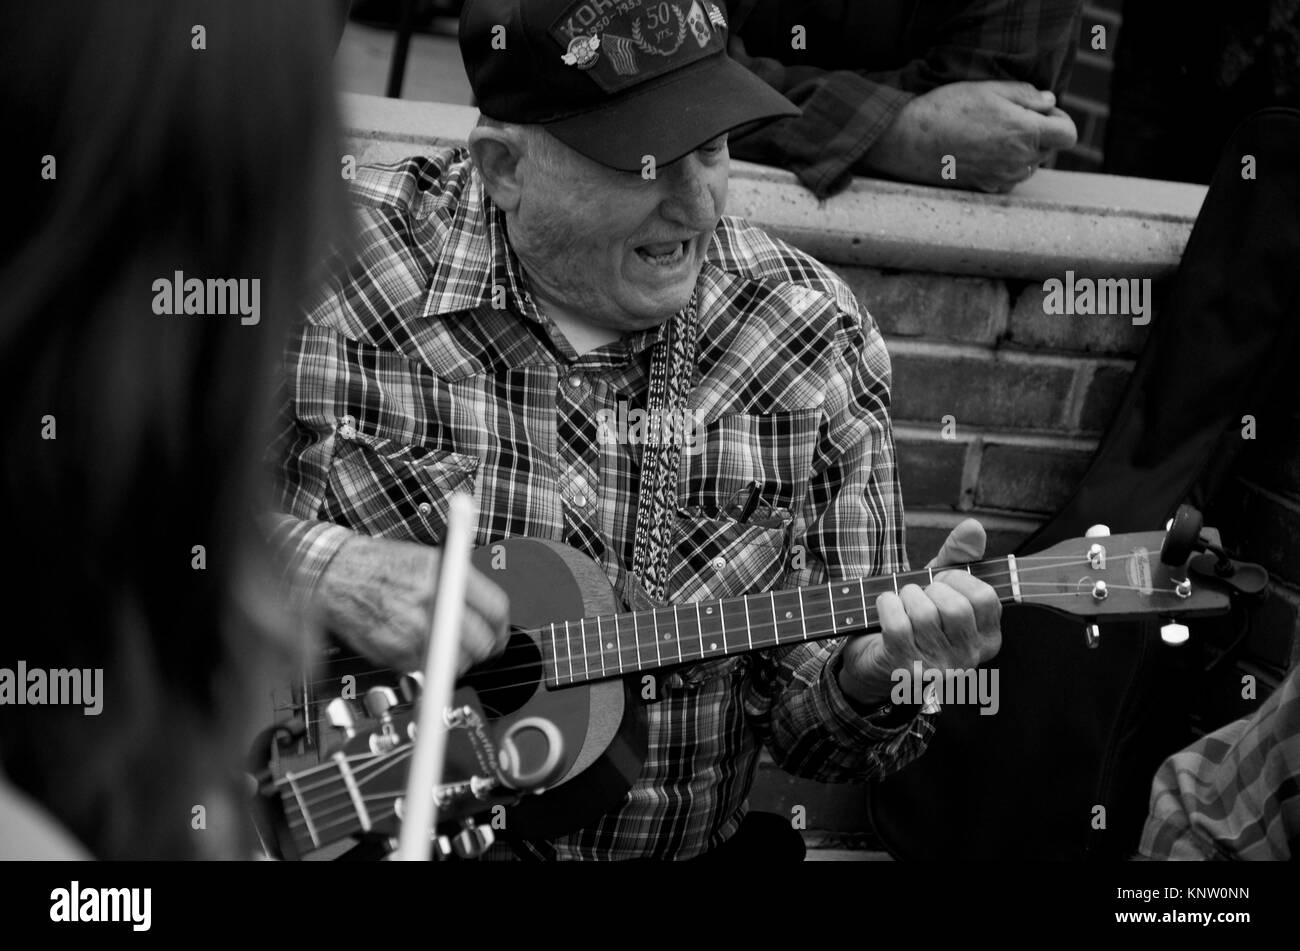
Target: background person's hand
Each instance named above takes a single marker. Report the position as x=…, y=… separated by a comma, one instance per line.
x=375, y=596
x=952, y=624
x=998, y=132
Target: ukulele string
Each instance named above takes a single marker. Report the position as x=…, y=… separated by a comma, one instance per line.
x=381, y=762
x=637, y=648
x=649, y=618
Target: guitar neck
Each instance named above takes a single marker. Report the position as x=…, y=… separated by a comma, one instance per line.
x=619, y=644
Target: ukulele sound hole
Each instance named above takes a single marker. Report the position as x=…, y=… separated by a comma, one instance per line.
x=506, y=683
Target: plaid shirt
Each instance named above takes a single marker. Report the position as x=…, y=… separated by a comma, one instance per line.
x=1234, y=793
x=406, y=383
x=864, y=61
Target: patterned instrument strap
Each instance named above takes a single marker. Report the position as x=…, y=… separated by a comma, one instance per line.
x=672, y=374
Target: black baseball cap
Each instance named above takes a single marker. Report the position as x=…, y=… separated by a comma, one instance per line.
x=615, y=80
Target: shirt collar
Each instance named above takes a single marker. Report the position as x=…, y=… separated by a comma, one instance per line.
x=475, y=259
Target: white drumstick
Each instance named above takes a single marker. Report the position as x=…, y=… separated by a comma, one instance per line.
x=421, y=814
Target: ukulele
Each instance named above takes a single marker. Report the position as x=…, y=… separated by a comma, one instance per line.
x=549, y=735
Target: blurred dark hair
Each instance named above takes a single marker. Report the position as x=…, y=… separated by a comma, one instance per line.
x=220, y=162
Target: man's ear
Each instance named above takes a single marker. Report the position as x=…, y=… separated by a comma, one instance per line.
x=497, y=154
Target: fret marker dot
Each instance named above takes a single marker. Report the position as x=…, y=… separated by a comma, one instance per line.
x=788, y=615
x=713, y=646
x=609, y=646
x=848, y=620
x=708, y=610
x=668, y=637
x=844, y=590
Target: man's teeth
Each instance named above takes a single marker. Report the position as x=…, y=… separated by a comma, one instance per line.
x=666, y=253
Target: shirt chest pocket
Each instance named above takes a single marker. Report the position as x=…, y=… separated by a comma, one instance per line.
x=722, y=558
x=388, y=489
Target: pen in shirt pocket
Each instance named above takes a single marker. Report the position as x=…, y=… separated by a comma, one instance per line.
x=751, y=504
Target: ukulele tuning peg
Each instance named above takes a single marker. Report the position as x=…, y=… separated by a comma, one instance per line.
x=1097, y=531
x=1174, y=634
x=412, y=685
x=1092, y=633
x=339, y=715
x=379, y=700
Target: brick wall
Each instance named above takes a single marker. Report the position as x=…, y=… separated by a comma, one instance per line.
x=1087, y=99
x=998, y=406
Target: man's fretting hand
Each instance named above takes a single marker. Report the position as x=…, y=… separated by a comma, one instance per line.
x=375, y=596
x=952, y=624
x=997, y=132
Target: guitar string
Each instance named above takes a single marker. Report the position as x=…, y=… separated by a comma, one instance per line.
x=649, y=618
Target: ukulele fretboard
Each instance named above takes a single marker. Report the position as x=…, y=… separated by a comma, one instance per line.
x=618, y=644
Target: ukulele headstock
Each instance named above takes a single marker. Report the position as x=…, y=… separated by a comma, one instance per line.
x=1104, y=577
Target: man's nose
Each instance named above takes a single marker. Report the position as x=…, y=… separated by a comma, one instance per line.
x=689, y=199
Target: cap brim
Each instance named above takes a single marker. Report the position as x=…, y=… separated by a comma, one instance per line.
x=673, y=116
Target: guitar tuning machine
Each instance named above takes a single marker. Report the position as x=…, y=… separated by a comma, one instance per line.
x=379, y=702
x=412, y=686
x=339, y=715
x=473, y=840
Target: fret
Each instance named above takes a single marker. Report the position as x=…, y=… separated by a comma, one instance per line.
x=762, y=629
x=862, y=593
x=582, y=641
x=699, y=627
x=663, y=635
x=341, y=762
x=895, y=577
x=591, y=641
x=787, y=609
x=636, y=633
x=1015, y=578
x=733, y=617
x=306, y=817
x=654, y=632
x=568, y=649
x=625, y=663
x=818, y=612
x=845, y=615
x=600, y=636
x=802, y=617
x=686, y=650
x=749, y=633
x=555, y=655
x=931, y=570
x=713, y=634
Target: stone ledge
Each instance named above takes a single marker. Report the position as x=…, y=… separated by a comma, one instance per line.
x=1057, y=221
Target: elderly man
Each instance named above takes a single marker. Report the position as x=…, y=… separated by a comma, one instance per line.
x=504, y=299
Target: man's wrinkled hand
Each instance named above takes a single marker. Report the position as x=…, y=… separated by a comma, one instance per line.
x=375, y=595
x=998, y=134
x=952, y=624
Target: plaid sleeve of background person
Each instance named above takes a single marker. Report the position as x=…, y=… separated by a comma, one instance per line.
x=845, y=112
x=1235, y=793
